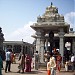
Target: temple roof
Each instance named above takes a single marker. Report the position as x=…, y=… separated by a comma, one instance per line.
x=51, y=9
x=51, y=20
x=15, y=42
x=51, y=15
x=72, y=35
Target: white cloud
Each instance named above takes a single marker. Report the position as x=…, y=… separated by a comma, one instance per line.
x=26, y=31
x=22, y=33
x=70, y=18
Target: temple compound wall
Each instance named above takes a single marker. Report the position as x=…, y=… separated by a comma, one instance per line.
x=19, y=46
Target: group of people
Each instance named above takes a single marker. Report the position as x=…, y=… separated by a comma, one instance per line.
x=8, y=61
x=24, y=61
x=53, y=64
x=70, y=64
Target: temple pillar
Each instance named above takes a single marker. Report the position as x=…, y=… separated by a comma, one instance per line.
x=12, y=47
x=61, y=47
x=38, y=41
x=46, y=44
x=5, y=48
x=40, y=44
x=42, y=51
x=22, y=48
x=73, y=46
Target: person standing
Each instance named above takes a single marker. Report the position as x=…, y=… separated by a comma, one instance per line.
x=1, y=65
x=58, y=62
x=22, y=63
x=28, y=63
x=52, y=65
x=36, y=58
x=12, y=55
x=8, y=61
x=73, y=61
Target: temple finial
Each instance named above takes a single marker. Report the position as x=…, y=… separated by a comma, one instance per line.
x=51, y=3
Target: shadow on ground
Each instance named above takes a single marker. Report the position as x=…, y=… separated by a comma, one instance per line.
x=32, y=72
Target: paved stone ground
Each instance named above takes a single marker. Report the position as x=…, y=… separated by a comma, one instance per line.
x=14, y=70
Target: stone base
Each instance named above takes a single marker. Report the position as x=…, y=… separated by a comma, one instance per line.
x=43, y=65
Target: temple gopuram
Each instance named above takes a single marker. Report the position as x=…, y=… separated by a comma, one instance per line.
x=53, y=32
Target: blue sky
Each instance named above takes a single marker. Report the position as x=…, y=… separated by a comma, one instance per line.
x=16, y=16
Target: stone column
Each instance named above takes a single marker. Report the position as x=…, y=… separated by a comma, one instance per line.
x=73, y=46
x=4, y=47
x=38, y=41
x=12, y=47
x=46, y=44
x=42, y=51
x=22, y=48
x=40, y=45
x=61, y=36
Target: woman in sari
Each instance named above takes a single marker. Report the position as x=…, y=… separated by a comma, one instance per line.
x=28, y=63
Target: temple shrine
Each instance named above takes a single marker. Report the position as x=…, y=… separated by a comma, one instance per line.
x=53, y=32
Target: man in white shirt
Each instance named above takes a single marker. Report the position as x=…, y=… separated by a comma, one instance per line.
x=8, y=60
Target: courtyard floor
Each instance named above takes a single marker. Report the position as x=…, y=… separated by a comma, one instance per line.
x=14, y=69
